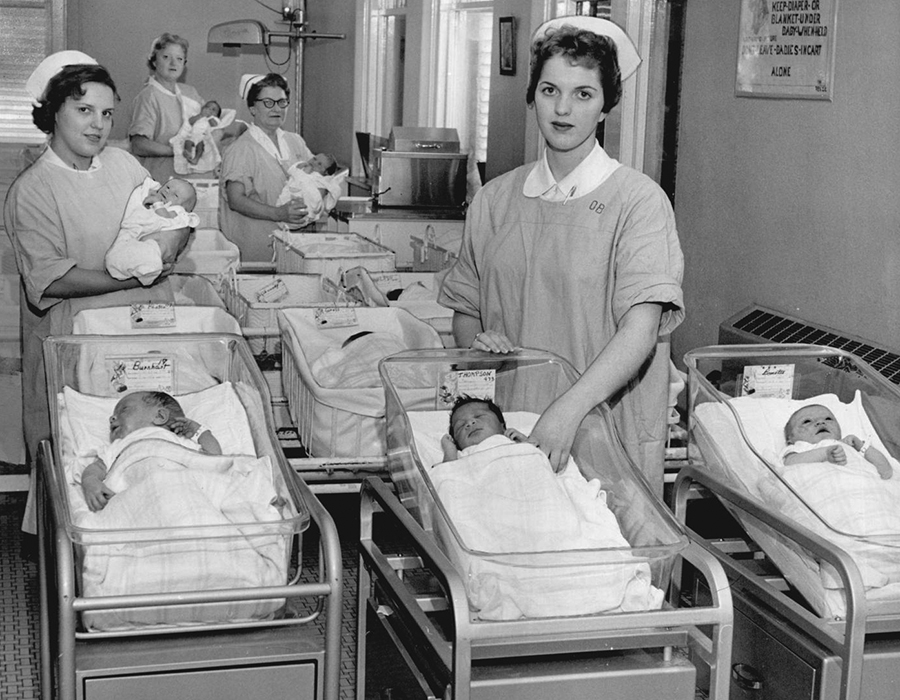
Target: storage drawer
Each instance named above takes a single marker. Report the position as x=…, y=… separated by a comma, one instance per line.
x=762, y=668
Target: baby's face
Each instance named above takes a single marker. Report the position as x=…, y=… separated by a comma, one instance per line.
x=210, y=109
x=180, y=192
x=318, y=164
x=130, y=414
x=472, y=423
x=814, y=423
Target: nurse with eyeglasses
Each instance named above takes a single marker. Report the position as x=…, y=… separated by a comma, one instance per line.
x=254, y=170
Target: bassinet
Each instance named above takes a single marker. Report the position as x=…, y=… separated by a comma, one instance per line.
x=846, y=567
x=216, y=570
x=418, y=383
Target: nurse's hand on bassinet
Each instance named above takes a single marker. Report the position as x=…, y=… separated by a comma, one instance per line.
x=492, y=341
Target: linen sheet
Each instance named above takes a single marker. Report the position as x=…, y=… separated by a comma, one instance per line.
x=161, y=485
x=529, y=542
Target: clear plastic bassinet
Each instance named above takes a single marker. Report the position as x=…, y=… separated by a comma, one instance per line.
x=86, y=376
x=528, y=381
x=740, y=397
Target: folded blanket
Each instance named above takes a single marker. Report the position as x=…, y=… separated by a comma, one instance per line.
x=533, y=543
x=160, y=485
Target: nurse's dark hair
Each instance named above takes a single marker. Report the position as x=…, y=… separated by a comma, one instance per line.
x=466, y=399
x=269, y=80
x=583, y=48
x=69, y=82
x=161, y=42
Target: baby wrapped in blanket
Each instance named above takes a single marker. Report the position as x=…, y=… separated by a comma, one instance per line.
x=163, y=470
x=317, y=183
x=155, y=230
x=502, y=496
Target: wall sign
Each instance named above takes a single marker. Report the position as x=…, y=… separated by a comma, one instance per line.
x=786, y=49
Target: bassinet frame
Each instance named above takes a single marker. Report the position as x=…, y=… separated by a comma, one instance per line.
x=840, y=652
x=77, y=664
x=442, y=659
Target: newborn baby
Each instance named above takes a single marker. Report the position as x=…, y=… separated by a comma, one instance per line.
x=137, y=416
x=155, y=229
x=473, y=420
x=316, y=182
x=813, y=434
x=198, y=128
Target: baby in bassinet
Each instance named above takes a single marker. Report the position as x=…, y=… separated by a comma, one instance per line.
x=813, y=434
x=155, y=229
x=315, y=181
x=137, y=416
x=472, y=421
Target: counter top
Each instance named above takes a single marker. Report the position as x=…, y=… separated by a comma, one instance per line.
x=410, y=214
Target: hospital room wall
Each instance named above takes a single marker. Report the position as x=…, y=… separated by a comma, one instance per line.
x=792, y=204
x=118, y=33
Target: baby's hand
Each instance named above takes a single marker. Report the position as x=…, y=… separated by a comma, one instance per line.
x=853, y=441
x=449, y=448
x=185, y=427
x=517, y=436
x=96, y=492
x=836, y=455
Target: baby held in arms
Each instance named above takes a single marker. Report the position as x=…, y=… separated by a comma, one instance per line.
x=813, y=434
x=473, y=420
x=155, y=230
x=137, y=416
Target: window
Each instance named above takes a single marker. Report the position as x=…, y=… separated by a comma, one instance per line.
x=425, y=63
x=29, y=30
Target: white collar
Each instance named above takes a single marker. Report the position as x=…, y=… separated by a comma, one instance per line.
x=53, y=158
x=162, y=88
x=585, y=178
x=262, y=138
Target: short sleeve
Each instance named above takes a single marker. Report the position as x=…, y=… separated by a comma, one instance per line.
x=460, y=289
x=649, y=261
x=145, y=115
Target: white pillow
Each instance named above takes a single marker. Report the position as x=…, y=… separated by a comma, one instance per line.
x=430, y=426
x=86, y=418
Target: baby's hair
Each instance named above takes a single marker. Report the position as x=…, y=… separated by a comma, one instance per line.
x=333, y=168
x=161, y=399
x=464, y=399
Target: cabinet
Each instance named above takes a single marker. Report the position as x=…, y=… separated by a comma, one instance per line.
x=397, y=234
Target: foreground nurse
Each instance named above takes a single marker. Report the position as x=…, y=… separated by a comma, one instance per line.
x=577, y=254
x=62, y=213
x=254, y=170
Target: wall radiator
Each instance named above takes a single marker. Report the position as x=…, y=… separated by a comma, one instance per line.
x=758, y=324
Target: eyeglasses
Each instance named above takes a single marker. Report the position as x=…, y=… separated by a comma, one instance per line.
x=269, y=103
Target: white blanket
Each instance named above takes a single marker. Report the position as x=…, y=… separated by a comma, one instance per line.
x=160, y=485
x=536, y=544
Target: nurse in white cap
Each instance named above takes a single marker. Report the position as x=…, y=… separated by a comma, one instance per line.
x=62, y=213
x=254, y=170
x=576, y=253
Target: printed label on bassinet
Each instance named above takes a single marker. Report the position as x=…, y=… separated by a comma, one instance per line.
x=336, y=317
x=272, y=292
x=150, y=372
x=480, y=383
x=776, y=381
x=153, y=315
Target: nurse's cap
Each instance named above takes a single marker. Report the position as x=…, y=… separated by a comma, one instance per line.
x=247, y=81
x=629, y=60
x=36, y=85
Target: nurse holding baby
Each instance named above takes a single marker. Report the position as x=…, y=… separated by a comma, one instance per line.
x=162, y=106
x=62, y=214
x=255, y=170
